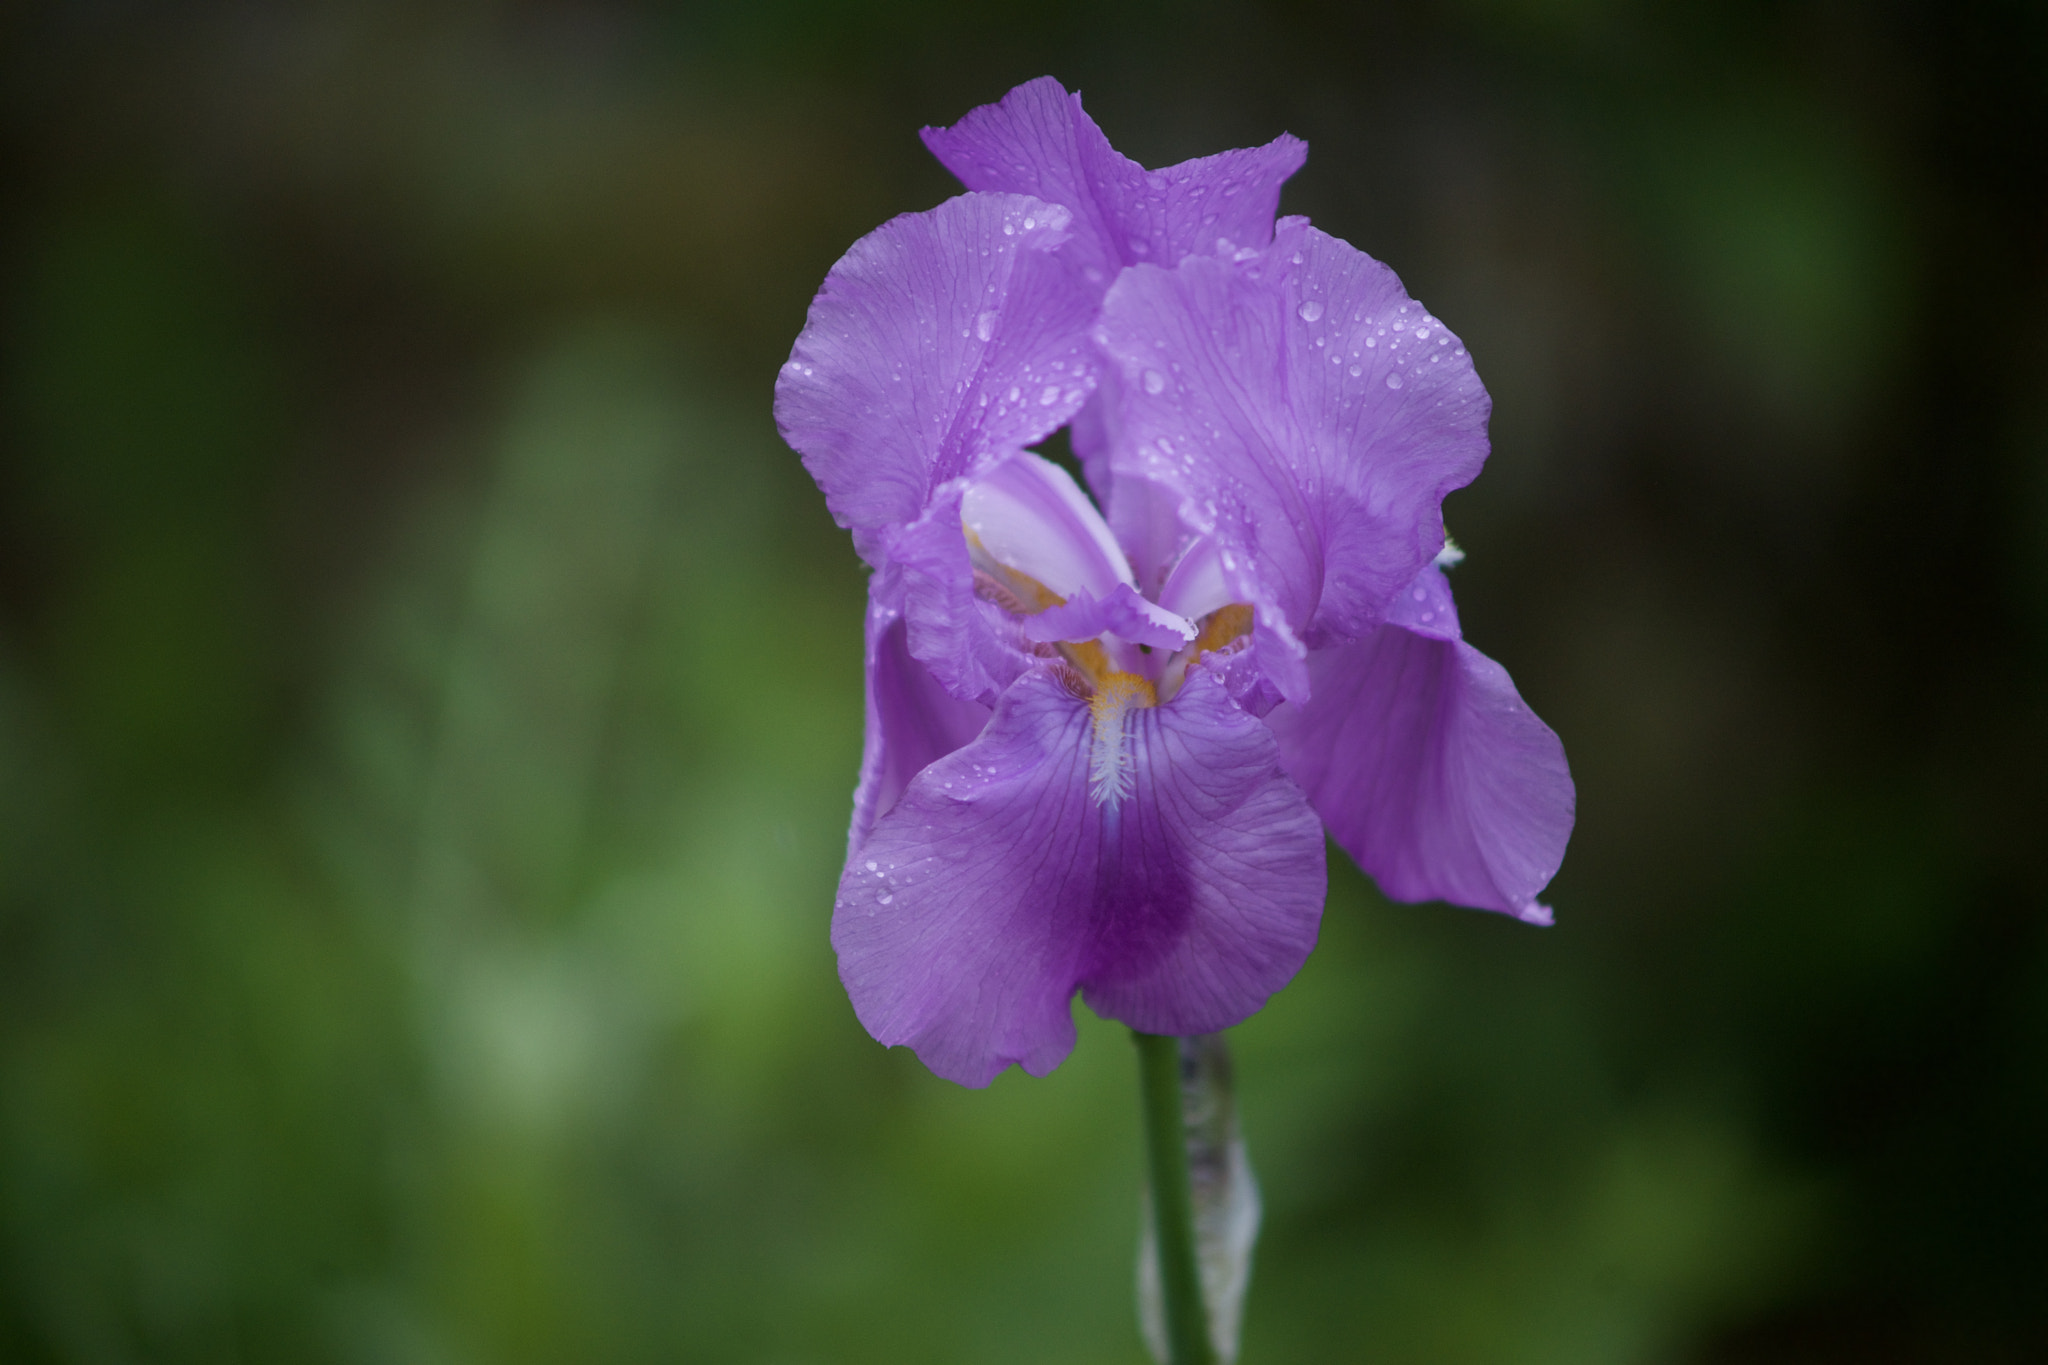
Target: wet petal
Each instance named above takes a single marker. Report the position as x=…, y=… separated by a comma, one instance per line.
x=940, y=343
x=1310, y=415
x=970, y=646
x=1430, y=770
x=911, y=721
x=1145, y=516
x=998, y=885
x=1029, y=514
x=1197, y=585
x=1123, y=614
x=1039, y=141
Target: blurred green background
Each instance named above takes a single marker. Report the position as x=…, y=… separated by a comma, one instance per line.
x=429, y=695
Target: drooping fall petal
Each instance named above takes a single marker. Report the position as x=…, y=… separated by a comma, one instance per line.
x=1000, y=884
x=1428, y=767
x=911, y=721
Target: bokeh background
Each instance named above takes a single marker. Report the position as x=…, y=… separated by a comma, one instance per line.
x=429, y=695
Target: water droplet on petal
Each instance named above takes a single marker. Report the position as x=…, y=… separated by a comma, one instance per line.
x=1049, y=395
x=1393, y=381
x=1154, y=381
x=1310, y=311
x=1357, y=370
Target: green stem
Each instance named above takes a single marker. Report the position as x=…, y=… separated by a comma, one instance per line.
x=1166, y=1151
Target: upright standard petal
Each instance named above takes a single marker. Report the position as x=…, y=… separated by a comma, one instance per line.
x=940, y=343
x=1001, y=883
x=1144, y=516
x=1039, y=141
x=1029, y=514
x=1427, y=765
x=1310, y=415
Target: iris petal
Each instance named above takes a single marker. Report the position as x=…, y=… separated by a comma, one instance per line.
x=940, y=343
x=997, y=886
x=1429, y=768
x=1123, y=614
x=911, y=721
x=1039, y=141
x=1030, y=515
x=1310, y=415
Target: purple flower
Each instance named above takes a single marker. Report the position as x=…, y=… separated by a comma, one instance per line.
x=1103, y=746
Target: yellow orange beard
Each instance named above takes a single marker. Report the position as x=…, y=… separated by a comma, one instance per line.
x=1109, y=751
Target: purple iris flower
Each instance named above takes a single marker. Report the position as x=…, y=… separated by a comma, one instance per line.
x=1105, y=737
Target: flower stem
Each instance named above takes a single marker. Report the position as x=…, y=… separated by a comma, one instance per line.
x=1166, y=1152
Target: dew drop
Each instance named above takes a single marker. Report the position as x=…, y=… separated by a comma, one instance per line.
x=1154, y=381
x=1310, y=311
x=874, y=866
x=985, y=325
x=884, y=899
x=1049, y=395
x=1357, y=370
x=1393, y=381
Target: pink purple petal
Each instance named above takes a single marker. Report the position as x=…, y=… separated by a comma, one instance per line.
x=911, y=721
x=1429, y=769
x=1123, y=613
x=940, y=343
x=1030, y=515
x=1197, y=585
x=971, y=646
x=1145, y=516
x=998, y=886
x=1310, y=415
x=1039, y=141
